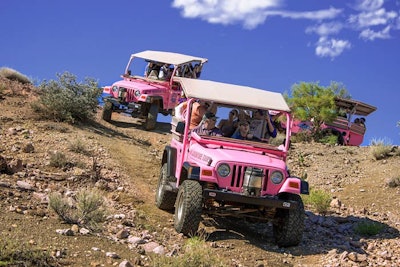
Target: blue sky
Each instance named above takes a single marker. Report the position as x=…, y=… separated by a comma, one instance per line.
x=267, y=44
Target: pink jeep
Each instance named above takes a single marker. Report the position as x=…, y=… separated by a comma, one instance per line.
x=148, y=87
x=224, y=176
x=350, y=129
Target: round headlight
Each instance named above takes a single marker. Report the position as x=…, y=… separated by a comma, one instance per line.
x=137, y=93
x=223, y=170
x=276, y=177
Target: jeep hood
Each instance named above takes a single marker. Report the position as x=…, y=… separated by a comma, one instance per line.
x=217, y=154
x=136, y=85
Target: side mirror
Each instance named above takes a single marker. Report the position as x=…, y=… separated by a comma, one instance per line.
x=180, y=127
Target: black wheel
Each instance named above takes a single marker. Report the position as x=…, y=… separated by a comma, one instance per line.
x=165, y=199
x=188, y=208
x=107, y=111
x=151, y=118
x=289, y=224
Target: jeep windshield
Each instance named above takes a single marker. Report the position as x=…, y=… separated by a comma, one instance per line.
x=247, y=118
x=161, y=66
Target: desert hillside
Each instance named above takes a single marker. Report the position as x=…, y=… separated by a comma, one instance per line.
x=123, y=162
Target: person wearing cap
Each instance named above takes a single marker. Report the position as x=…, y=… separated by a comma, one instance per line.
x=243, y=132
x=256, y=125
x=207, y=125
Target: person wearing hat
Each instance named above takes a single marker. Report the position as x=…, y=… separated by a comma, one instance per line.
x=243, y=132
x=207, y=125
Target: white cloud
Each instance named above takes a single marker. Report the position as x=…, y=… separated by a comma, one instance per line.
x=331, y=47
x=311, y=15
x=325, y=29
x=251, y=13
x=368, y=5
x=373, y=18
x=371, y=35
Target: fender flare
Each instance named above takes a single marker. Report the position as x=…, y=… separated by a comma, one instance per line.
x=294, y=185
x=169, y=157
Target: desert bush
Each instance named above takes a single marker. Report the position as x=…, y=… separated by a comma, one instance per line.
x=78, y=146
x=380, y=148
x=14, y=75
x=66, y=99
x=304, y=136
x=15, y=253
x=330, y=139
x=58, y=160
x=368, y=228
x=319, y=200
x=195, y=253
x=87, y=210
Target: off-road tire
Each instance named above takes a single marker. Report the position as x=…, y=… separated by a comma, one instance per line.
x=165, y=199
x=288, y=226
x=151, y=119
x=107, y=111
x=188, y=208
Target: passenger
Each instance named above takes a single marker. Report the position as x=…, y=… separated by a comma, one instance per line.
x=197, y=71
x=180, y=109
x=148, y=69
x=243, y=132
x=362, y=122
x=207, y=126
x=256, y=125
x=165, y=72
x=227, y=125
x=243, y=115
x=357, y=121
x=198, y=110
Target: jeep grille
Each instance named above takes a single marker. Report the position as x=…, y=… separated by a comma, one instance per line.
x=237, y=177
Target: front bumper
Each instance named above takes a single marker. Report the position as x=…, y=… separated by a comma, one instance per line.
x=266, y=201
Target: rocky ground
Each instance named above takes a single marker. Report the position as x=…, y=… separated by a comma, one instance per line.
x=123, y=161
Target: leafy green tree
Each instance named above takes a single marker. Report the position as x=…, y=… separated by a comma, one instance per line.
x=315, y=103
x=67, y=99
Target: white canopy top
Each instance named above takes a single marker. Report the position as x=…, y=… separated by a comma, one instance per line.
x=168, y=57
x=235, y=95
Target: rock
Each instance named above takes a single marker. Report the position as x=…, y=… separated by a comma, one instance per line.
x=112, y=255
x=125, y=263
x=28, y=148
x=67, y=232
x=24, y=185
x=149, y=247
x=122, y=234
x=14, y=166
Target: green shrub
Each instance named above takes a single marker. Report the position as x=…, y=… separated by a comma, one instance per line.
x=66, y=99
x=88, y=210
x=14, y=75
x=304, y=136
x=380, y=148
x=78, y=146
x=15, y=253
x=331, y=139
x=318, y=200
x=58, y=160
x=196, y=252
x=368, y=228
